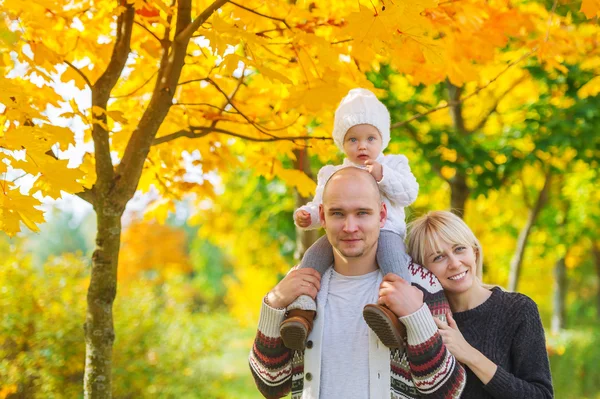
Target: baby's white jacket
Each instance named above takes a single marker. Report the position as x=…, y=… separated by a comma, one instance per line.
x=398, y=187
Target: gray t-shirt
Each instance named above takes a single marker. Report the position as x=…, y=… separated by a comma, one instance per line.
x=345, y=354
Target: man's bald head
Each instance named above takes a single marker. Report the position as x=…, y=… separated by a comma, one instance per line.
x=353, y=176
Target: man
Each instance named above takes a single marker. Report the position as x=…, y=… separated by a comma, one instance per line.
x=343, y=358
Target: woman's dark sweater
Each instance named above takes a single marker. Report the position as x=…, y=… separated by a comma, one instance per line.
x=508, y=330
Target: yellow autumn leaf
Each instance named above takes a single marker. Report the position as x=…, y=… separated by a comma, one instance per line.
x=72, y=75
x=98, y=111
x=15, y=208
x=56, y=177
x=151, y=47
x=591, y=8
x=590, y=89
x=159, y=210
x=298, y=179
x=117, y=116
x=448, y=172
x=88, y=168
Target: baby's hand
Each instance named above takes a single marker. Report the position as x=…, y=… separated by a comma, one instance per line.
x=303, y=219
x=375, y=169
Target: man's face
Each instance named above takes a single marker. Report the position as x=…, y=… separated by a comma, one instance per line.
x=352, y=213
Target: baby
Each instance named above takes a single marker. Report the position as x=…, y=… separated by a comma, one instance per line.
x=362, y=131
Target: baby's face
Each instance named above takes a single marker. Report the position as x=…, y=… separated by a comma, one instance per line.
x=362, y=143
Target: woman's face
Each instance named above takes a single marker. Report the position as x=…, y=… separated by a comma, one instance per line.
x=455, y=266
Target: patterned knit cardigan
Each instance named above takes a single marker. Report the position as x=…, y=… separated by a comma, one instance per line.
x=278, y=370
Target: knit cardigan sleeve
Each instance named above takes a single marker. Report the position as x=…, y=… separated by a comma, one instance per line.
x=531, y=378
x=270, y=361
x=434, y=370
x=399, y=184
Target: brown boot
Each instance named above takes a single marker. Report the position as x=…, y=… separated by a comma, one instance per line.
x=295, y=328
x=386, y=325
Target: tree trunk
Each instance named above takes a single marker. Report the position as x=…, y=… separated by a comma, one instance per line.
x=113, y=189
x=304, y=238
x=99, y=329
x=596, y=250
x=454, y=93
x=560, y=280
x=560, y=292
x=515, y=263
x=459, y=191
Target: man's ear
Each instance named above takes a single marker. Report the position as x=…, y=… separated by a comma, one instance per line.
x=382, y=214
x=322, y=215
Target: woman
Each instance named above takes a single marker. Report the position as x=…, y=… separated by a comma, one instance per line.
x=498, y=335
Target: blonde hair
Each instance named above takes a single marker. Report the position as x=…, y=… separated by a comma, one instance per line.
x=428, y=232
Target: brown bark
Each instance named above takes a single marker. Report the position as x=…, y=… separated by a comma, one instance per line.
x=113, y=189
x=515, y=264
x=99, y=328
x=560, y=292
x=596, y=250
x=304, y=238
x=560, y=283
x=459, y=191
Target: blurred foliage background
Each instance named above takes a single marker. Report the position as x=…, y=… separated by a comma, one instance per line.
x=516, y=149
x=190, y=291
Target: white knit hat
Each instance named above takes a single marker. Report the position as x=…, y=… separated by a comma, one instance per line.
x=360, y=106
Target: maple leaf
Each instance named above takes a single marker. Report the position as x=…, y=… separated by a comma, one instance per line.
x=591, y=8
x=72, y=75
x=590, y=89
x=298, y=179
x=15, y=208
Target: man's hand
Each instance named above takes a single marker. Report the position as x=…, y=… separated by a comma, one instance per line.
x=399, y=296
x=303, y=219
x=297, y=282
x=375, y=169
x=454, y=340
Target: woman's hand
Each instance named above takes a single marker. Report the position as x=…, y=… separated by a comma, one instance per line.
x=483, y=367
x=454, y=340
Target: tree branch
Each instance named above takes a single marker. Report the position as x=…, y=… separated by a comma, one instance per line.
x=131, y=166
x=510, y=65
x=205, y=105
x=87, y=195
x=87, y=81
x=138, y=89
x=342, y=41
x=101, y=92
x=198, y=132
x=187, y=33
x=148, y=30
x=260, y=14
x=483, y=121
x=192, y=81
x=462, y=100
x=256, y=125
